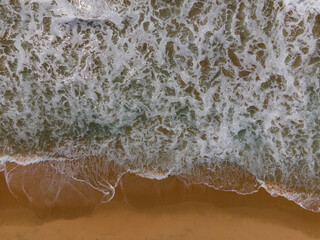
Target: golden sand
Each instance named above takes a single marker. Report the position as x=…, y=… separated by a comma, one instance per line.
x=204, y=214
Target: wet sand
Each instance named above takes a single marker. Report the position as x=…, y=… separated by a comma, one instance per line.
x=204, y=214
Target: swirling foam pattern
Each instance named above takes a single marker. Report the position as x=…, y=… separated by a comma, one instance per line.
x=165, y=87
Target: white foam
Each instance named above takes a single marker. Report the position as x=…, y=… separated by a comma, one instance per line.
x=160, y=87
x=303, y=6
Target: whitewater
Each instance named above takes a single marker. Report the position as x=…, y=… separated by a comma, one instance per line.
x=223, y=93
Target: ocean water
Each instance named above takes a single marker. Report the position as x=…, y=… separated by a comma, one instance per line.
x=220, y=92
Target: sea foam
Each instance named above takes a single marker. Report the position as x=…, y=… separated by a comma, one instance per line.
x=190, y=88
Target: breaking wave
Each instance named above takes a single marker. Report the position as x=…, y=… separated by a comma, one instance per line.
x=223, y=93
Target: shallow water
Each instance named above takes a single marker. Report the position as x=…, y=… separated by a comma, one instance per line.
x=222, y=93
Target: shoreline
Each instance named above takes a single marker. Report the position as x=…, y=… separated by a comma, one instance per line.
x=204, y=214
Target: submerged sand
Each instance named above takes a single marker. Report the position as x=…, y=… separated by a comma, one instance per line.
x=206, y=214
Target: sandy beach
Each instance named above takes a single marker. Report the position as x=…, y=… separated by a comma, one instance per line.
x=100, y=99
x=205, y=214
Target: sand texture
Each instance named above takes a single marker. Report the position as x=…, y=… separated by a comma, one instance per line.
x=204, y=214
